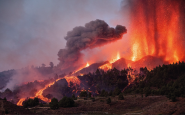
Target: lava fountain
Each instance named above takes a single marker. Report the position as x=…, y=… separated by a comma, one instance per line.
x=157, y=29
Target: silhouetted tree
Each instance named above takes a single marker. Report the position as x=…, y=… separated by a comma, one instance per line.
x=120, y=97
x=66, y=102
x=51, y=64
x=43, y=65
x=83, y=94
x=54, y=104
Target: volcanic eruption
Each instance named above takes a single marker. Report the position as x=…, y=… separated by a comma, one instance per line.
x=95, y=34
x=157, y=29
x=156, y=35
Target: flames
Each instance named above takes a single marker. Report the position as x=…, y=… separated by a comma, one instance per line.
x=39, y=94
x=158, y=30
x=87, y=65
x=72, y=79
x=108, y=66
x=19, y=103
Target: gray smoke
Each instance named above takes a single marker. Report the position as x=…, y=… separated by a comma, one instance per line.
x=95, y=34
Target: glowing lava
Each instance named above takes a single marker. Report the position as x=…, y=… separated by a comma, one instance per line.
x=87, y=65
x=157, y=29
x=39, y=94
x=69, y=79
x=19, y=103
x=108, y=66
x=73, y=79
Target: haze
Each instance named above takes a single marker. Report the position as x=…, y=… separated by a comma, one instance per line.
x=32, y=32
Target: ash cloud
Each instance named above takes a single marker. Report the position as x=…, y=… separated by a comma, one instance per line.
x=31, y=30
x=94, y=34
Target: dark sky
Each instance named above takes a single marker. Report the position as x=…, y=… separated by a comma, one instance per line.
x=33, y=31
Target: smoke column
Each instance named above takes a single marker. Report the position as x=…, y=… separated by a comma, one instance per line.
x=157, y=29
x=95, y=34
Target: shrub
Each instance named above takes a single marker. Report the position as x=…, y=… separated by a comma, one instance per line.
x=36, y=101
x=6, y=111
x=31, y=102
x=117, y=91
x=83, y=94
x=54, y=104
x=110, y=93
x=108, y=101
x=41, y=104
x=120, y=97
x=66, y=102
x=5, y=99
x=104, y=93
x=89, y=94
x=73, y=97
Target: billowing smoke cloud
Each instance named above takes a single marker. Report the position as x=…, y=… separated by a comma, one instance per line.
x=94, y=34
x=32, y=31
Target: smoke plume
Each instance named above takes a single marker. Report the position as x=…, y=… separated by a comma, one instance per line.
x=95, y=34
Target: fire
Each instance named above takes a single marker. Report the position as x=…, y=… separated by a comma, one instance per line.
x=108, y=66
x=39, y=94
x=73, y=79
x=135, y=51
x=115, y=59
x=87, y=65
x=158, y=29
x=19, y=103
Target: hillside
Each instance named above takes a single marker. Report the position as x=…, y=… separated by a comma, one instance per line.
x=7, y=107
x=165, y=80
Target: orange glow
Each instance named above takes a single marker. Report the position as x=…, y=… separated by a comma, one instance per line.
x=39, y=93
x=115, y=59
x=19, y=103
x=157, y=30
x=135, y=51
x=87, y=65
x=108, y=66
x=73, y=79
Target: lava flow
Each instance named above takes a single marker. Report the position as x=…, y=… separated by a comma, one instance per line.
x=108, y=66
x=39, y=94
x=69, y=79
x=72, y=79
x=19, y=103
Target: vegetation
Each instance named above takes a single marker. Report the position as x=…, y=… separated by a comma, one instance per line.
x=73, y=97
x=31, y=103
x=66, y=102
x=120, y=97
x=166, y=80
x=54, y=104
x=83, y=94
x=102, y=82
x=108, y=101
